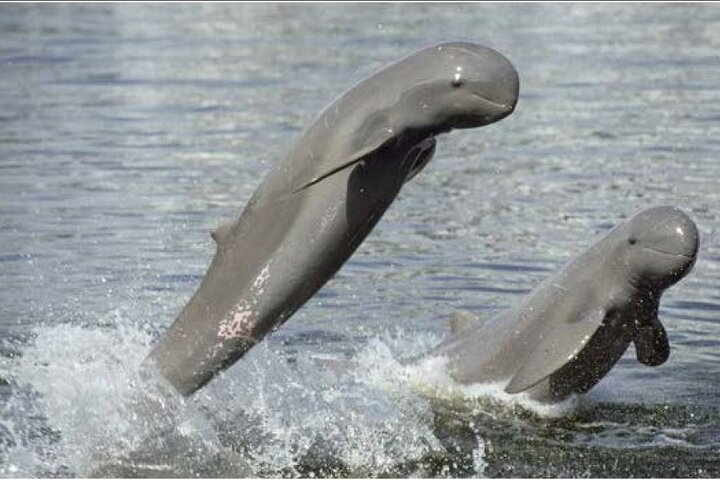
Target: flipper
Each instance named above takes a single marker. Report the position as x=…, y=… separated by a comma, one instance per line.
x=651, y=344
x=330, y=172
x=460, y=321
x=560, y=343
x=423, y=152
x=375, y=132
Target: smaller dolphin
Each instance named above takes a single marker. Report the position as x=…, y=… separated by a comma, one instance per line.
x=570, y=331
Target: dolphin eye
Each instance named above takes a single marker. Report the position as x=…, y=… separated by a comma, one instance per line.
x=457, y=80
x=632, y=240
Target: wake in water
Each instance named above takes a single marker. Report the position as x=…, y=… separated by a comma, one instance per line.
x=75, y=405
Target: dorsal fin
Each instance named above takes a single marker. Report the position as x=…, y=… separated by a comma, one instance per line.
x=221, y=233
x=460, y=321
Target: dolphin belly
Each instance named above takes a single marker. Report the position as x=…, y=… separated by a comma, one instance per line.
x=311, y=213
x=270, y=264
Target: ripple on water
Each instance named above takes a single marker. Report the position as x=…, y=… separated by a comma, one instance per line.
x=130, y=131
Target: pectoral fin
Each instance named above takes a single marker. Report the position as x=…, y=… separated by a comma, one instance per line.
x=651, y=344
x=374, y=132
x=420, y=155
x=560, y=343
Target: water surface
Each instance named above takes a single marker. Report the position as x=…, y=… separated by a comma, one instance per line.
x=128, y=132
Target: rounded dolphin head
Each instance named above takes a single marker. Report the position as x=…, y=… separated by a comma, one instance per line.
x=661, y=246
x=457, y=85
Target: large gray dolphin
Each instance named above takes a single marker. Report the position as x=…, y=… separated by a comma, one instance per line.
x=569, y=331
x=312, y=211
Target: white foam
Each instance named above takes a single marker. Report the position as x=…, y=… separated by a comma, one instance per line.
x=93, y=414
x=306, y=410
x=80, y=407
x=93, y=411
x=379, y=363
x=430, y=376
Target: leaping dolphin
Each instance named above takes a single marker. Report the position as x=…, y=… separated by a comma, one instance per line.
x=311, y=212
x=569, y=331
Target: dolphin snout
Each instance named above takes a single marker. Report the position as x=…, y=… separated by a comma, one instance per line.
x=501, y=82
x=503, y=92
x=684, y=238
x=688, y=232
x=668, y=230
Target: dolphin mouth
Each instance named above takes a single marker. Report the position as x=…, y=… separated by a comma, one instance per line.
x=670, y=254
x=503, y=108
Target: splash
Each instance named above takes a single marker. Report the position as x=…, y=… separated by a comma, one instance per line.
x=430, y=376
x=78, y=407
x=383, y=362
x=300, y=416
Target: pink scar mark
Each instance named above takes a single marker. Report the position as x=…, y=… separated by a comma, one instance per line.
x=242, y=320
x=240, y=325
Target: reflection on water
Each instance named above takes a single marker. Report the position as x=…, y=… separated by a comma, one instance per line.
x=128, y=132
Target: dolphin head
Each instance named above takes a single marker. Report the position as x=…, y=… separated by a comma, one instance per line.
x=458, y=85
x=661, y=246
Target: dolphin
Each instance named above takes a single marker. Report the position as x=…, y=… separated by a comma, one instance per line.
x=315, y=208
x=567, y=334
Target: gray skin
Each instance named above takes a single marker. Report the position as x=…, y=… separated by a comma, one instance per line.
x=311, y=212
x=568, y=332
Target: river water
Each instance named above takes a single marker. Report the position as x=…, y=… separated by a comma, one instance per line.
x=128, y=132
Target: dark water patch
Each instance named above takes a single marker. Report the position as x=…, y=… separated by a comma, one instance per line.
x=603, y=440
x=15, y=257
x=450, y=278
x=695, y=305
x=501, y=290
x=35, y=59
x=54, y=153
x=158, y=288
x=699, y=317
x=713, y=118
x=707, y=343
x=604, y=135
x=182, y=279
x=509, y=267
x=538, y=459
x=368, y=263
x=309, y=337
x=327, y=294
